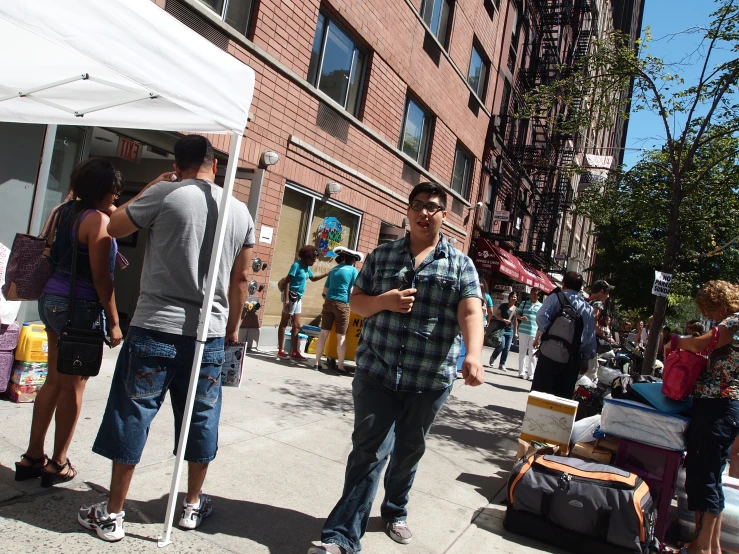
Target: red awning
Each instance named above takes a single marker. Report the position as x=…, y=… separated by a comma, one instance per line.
x=547, y=285
x=492, y=257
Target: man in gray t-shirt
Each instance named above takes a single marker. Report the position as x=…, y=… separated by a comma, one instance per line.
x=180, y=219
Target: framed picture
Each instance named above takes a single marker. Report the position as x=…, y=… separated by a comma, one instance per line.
x=131, y=240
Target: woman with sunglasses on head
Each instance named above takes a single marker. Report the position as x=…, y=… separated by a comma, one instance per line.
x=292, y=298
x=95, y=184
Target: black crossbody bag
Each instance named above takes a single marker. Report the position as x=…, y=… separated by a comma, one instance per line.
x=80, y=350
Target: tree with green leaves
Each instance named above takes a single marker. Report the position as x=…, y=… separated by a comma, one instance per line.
x=677, y=190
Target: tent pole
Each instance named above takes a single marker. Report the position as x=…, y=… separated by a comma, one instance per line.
x=202, y=336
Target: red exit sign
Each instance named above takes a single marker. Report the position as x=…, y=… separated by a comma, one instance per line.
x=129, y=150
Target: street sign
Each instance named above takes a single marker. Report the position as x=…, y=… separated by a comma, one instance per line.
x=501, y=215
x=129, y=150
x=662, y=283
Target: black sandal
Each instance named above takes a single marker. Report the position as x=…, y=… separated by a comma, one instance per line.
x=22, y=473
x=48, y=478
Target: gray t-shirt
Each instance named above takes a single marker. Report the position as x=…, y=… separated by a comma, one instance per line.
x=181, y=218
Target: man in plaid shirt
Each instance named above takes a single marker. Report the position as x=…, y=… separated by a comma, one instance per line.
x=416, y=295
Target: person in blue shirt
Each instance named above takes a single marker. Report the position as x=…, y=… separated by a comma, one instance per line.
x=292, y=297
x=336, y=307
x=487, y=305
x=554, y=377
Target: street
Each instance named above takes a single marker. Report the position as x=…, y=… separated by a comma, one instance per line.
x=284, y=439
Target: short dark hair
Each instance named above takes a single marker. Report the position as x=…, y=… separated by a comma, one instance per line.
x=193, y=152
x=573, y=280
x=432, y=189
x=511, y=294
x=537, y=290
x=307, y=252
x=699, y=328
x=94, y=179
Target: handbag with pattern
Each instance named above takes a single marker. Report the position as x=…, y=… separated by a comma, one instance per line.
x=30, y=266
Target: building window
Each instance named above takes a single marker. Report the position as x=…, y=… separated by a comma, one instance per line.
x=478, y=73
x=436, y=15
x=414, y=135
x=462, y=172
x=336, y=64
x=236, y=13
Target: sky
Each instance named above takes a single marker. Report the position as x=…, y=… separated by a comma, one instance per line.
x=666, y=17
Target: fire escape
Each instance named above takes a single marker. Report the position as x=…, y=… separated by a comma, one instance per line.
x=566, y=29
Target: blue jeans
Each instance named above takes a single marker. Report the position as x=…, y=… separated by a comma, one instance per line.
x=502, y=350
x=54, y=311
x=150, y=364
x=387, y=424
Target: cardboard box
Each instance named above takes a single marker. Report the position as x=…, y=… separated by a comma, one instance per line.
x=549, y=419
x=589, y=451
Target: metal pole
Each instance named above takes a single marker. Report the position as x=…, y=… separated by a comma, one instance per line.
x=202, y=335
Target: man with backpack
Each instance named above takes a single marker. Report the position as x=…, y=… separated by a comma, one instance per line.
x=568, y=338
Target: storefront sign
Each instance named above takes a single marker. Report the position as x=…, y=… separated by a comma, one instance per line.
x=662, y=282
x=129, y=150
x=265, y=234
x=330, y=235
x=501, y=215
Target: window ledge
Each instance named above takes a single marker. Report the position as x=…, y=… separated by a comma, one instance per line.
x=290, y=74
x=448, y=57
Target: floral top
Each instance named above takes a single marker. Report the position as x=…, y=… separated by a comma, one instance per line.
x=720, y=379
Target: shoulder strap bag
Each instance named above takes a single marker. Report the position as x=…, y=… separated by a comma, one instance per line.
x=80, y=350
x=682, y=368
x=29, y=266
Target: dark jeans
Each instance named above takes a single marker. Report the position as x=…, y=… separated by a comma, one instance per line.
x=502, y=350
x=712, y=430
x=387, y=424
x=554, y=378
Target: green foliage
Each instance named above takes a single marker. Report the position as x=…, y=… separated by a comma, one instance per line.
x=631, y=220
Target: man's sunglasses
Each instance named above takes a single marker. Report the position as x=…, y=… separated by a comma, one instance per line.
x=431, y=207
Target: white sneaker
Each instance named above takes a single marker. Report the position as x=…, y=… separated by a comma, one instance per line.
x=95, y=517
x=194, y=514
x=326, y=549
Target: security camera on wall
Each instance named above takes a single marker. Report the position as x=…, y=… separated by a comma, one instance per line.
x=479, y=204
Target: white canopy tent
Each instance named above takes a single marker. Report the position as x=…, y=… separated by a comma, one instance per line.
x=126, y=64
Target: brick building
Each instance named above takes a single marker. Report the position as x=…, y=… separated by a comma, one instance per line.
x=372, y=96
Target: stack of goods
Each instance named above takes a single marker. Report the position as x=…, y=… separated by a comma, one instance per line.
x=26, y=380
x=549, y=419
x=642, y=423
x=8, y=341
x=29, y=371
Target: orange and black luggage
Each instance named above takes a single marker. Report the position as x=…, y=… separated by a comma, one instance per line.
x=580, y=506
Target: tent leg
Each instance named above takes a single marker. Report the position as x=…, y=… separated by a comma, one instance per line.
x=202, y=336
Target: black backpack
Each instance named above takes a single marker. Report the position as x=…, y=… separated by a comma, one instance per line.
x=561, y=341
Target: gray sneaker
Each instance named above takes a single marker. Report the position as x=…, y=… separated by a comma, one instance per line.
x=399, y=532
x=324, y=548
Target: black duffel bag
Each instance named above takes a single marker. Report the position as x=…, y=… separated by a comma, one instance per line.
x=580, y=506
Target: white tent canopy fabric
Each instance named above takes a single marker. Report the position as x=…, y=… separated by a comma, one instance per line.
x=126, y=64
x=151, y=71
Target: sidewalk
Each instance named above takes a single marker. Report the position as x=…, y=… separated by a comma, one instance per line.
x=284, y=439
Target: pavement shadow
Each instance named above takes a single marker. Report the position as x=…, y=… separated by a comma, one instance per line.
x=491, y=519
x=507, y=387
x=280, y=530
x=308, y=397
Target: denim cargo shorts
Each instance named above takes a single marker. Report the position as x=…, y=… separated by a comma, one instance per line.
x=150, y=364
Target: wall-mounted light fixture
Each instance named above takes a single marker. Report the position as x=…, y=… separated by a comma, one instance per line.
x=332, y=187
x=453, y=241
x=269, y=158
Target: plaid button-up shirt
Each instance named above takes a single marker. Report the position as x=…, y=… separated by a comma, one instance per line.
x=417, y=351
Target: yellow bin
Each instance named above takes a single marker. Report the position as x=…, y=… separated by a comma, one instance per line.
x=352, y=338
x=33, y=345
